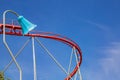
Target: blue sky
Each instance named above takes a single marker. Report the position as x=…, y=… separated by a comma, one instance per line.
x=93, y=24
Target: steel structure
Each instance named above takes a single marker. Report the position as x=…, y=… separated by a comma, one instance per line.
x=15, y=30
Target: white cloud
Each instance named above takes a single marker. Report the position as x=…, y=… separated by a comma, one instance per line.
x=105, y=67
x=111, y=62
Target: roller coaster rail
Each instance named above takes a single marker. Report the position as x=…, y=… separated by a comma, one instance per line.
x=15, y=30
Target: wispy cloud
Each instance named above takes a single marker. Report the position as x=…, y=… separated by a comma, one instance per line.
x=111, y=63
x=113, y=52
x=107, y=66
x=97, y=25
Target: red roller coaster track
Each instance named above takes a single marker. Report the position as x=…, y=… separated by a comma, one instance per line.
x=16, y=30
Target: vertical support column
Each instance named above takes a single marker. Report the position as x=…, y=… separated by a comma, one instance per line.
x=78, y=72
x=6, y=45
x=34, y=59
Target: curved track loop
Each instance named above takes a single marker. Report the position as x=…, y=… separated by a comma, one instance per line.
x=16, y=30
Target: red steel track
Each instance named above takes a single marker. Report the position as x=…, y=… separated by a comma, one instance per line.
x=16, y=30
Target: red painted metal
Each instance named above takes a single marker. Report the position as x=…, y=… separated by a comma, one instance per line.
x=16, y=30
